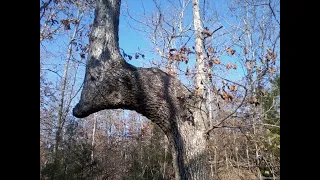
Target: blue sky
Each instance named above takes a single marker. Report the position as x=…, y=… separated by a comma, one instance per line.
x=132, y=41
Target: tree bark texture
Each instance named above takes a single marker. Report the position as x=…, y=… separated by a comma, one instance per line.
x=111, y=83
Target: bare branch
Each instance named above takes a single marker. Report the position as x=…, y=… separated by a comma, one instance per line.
x=235, y=110
x=273, y=13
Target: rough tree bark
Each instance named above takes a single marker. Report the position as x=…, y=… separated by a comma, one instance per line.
x=111, y=83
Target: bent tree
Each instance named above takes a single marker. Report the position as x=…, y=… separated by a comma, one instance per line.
x=111, y=83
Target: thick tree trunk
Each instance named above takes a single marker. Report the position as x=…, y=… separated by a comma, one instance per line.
x=189, y=152
x=111, y=83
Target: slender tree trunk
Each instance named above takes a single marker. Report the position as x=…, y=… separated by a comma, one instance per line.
x=247, y=153
x=61, y=109
x=111, y=83
x=199, y=47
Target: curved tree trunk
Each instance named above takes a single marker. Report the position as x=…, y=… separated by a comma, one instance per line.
x=111, y=83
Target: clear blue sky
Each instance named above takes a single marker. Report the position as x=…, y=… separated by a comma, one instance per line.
x=132, y=41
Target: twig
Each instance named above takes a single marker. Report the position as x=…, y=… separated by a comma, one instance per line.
x=273, y=13
x=217, y=29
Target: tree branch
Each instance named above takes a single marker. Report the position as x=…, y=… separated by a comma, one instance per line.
x=235, y=110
